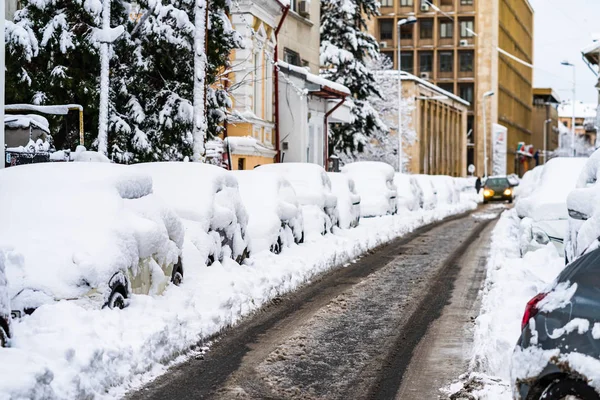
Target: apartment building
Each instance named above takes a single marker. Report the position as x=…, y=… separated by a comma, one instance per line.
x=454, y=45
x=585, y=119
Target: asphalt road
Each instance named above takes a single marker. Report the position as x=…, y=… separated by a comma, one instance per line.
x=377, y=329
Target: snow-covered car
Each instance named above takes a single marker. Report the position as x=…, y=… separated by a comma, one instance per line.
x=529, y=182
x=447, y=192
x=313, y=189
x=558, y=353
x=87, y=232
x=374, y=182
x=584, y=211
x=274, y=215
x=544, y=212
x=429, y=191
x=5, y=317
x=409, y=194
x=208, y=201
x=348, y=204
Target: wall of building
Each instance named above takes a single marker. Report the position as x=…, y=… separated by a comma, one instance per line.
x=300, y=34
x=540, y=114
x=10, y=7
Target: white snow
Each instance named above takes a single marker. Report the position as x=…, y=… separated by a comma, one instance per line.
x=560, y=297
x=16, y=121
x=374, y=183
x=576, y=324
x=429, y=192
x=409, y=194
x=4, y=296
x=582, y=110
x=101, y=354
x=316, y=79
x=348, y=201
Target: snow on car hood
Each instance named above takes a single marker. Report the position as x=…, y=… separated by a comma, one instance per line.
x=549, y=199
x=68, y=228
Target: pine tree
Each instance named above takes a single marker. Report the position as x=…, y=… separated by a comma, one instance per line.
x=345, y=49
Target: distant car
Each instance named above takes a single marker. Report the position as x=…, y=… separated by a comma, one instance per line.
x=208, y=201
x=497, y=188
x=93, y=233
x=313, y=188
x=374, y=183
x=348, y=204
x=5, y=318
x=428, y=190
x=274, y=214
x=558, y=353
x=409, y=193
x=544, y=211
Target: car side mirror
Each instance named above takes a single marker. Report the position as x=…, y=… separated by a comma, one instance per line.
x=577, y=215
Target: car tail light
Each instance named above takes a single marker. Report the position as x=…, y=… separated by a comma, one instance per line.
x=531, y=309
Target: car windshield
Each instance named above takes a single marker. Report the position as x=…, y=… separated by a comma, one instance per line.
x=496, y=182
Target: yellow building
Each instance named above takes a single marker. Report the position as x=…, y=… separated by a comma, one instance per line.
x=454, y=44
x=250, y=129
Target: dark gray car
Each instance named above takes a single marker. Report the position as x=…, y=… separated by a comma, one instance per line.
x=561, y=332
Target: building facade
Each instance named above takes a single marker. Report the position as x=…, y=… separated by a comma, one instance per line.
x=454, y=45
x=545, y=123
x=585, y=119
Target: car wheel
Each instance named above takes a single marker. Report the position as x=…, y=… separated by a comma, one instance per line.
x=211, y=260
x=177, y=278
x=116, y=300
x=568, y=388
x=277, y=246
x=242, y=257
x=3, y=337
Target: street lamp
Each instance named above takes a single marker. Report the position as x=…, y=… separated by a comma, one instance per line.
x=568, y=64
x=406, y=21
x=546, y=139
x=485, y=157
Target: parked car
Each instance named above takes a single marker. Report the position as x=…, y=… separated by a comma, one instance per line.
x=348, y=204
x=208, y=201
x=497, y=188
x=409, y=194
x=529, y=182
x=429, y=191
x=447, y=192
x=274, y=214
x=544, y=212
x=87, y=232
x=375, y=184
x=584, y=215
x=313, y=188
x=558, y=353
x=5, y=317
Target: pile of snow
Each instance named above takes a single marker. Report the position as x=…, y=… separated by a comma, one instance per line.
x=429, y=191
x=101, y=353
x=375, y=184
x=529, y=182
x=69, y=229
x=313, y=188
x=81, y=154
x=549, y=199
x=207, y=199
x=275, y=217
x=510, y=283
x=17, y=121
x=348, y=201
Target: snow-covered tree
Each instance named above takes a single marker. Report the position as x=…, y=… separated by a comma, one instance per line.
x=346, y=47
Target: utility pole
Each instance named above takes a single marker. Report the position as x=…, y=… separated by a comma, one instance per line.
x=402, y=22
x=485, y=140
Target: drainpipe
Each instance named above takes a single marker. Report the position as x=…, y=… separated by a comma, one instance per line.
x=326, y=131
x=286, y=9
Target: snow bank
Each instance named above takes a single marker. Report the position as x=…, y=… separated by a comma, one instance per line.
x=348, y=204
x=375, y=184
x=410, y=195
x=102, y=353
x=429, y=191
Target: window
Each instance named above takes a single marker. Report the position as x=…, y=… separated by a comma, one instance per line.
x=241, y=164
x=407, y=61
x=466, y=2
x=446, y=61
x=406, y=31
x=466, y=91
x=406, y=3
x=448, y=87
x=426, y=26
x=466, y=28
x=446, y=2
x=291, y=57
x=465, y=59
x=294, y=5
x=425, y=61
x=387, y=3
x=446, y=29
x=258, y=81
x=386, y=29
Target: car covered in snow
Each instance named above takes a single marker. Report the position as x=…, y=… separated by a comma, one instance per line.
x=375, y=184
x=87, y=232
x=558, y=353
x=429, y=191
x=5, y=310
x=409, y=194
x=529, y=182
x=274, y=214
x=208, y=201
x=544, y=211
x=313, y=188
x=447, y=191
x=584, y=212
x=348, y=201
